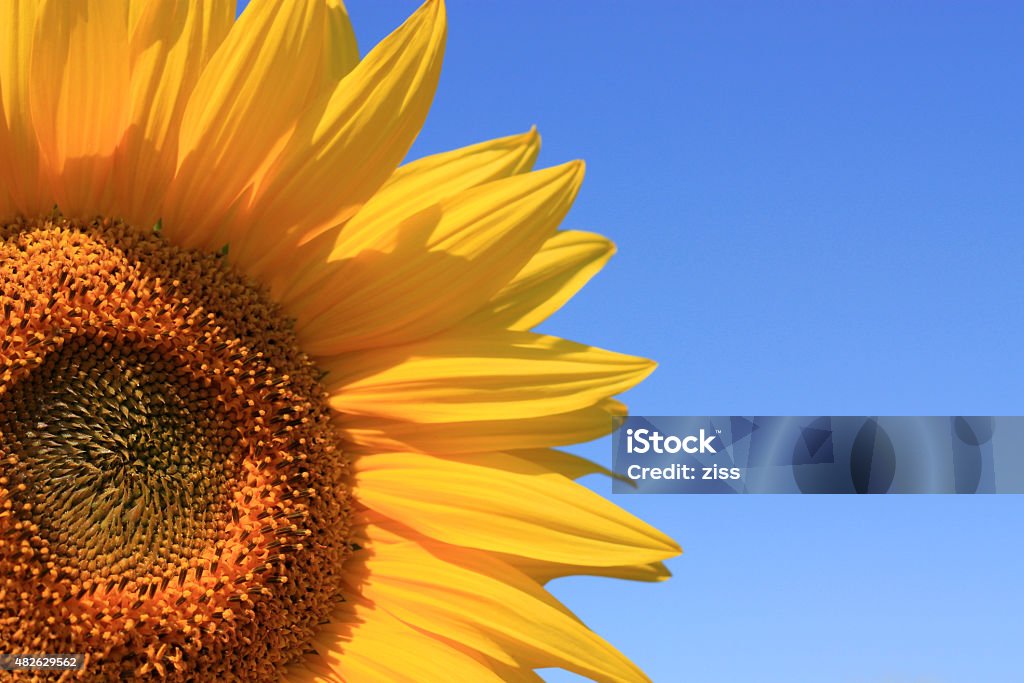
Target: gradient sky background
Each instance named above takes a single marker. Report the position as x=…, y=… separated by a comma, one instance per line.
x=818, y=211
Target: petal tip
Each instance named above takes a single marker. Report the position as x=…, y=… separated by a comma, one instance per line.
x=531, y=138
x=436, y=8
x=579, y=169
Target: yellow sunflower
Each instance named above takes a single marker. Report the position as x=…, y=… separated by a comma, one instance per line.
x=270, y=405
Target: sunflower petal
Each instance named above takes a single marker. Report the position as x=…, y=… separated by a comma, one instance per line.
x=424, y=182
x=566, y=464
x=516, y=674
x=498, y=375
x=543, y=571
x=447, y=595
x=491, y=502
x=566, y=262
x=246, y=102
x=360, y=642
x=412, y=188
x=311, y=669
x=21, y=175
x=79, y=103
x=375, y=434
x=171, y=42
x=440, y=264
x=388, y=93
x=341, y=52
x=7, y=168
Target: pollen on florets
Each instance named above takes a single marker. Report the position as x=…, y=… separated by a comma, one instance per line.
x=173, y=499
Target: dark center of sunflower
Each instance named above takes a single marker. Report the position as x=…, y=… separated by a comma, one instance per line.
x=173, y=501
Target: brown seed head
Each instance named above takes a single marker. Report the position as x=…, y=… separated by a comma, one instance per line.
x=173, y=500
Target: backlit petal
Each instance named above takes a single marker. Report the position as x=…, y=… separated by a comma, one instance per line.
x=445, y=595
x=361, y=643
x=437, y=266
x=171, y=43
x=559, y=429
x=501, y=503
x=544, y=571
x=566, y=464
x=341, y=53
x=20, y=164
x=566, y=262
x=412, y=188
x=330, y=166
x=79, y=97
x=244, y=106
x=498, y=375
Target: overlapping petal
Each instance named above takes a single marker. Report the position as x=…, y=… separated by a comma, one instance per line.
x=78, y=97
x=564, y=264
x=244, y=106
x=499, y=375
x=330, y=166
x=412, y=188
x=436, y=266
x=341, y=53
x=373, y=434
x=360, y=645
x=479, y=503
x=19, y=154
x=566, y=464
x=543, y=571
x=7, y=171
x=468, y=597
x=171, y=43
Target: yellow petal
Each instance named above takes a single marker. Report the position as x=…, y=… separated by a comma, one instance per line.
x=79, y=97
x=7, y=169
x=511, y=674
x=412, y=188
x=455, y=594
x=498, y=375
x=544, y=571
x=504, y=504
x=422, y=183
x=361, y=641
x=347, y=144
x=566, y=262
x=311, y=669
x=171, y=42
x=379, y=434
x=245, y=104
x=439, y=265
x=566, y=464
x=20, y=152
x=341, y=53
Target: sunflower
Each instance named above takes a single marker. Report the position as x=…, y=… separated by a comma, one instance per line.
x=270, y=405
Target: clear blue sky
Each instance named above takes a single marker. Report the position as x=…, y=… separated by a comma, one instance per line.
x=818, y=207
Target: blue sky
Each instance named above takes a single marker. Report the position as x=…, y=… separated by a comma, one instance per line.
x=818, y=208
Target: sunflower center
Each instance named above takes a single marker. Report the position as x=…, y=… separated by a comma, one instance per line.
x=110, y=440
x=173, y=500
